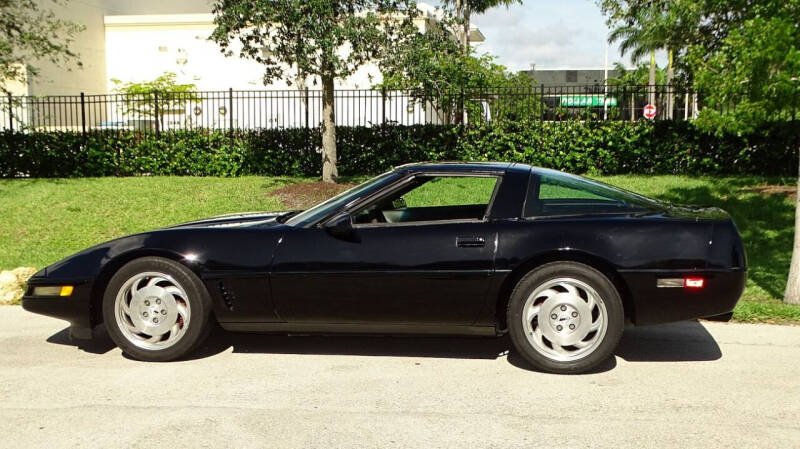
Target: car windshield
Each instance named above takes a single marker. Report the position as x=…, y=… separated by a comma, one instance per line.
x=329, y=206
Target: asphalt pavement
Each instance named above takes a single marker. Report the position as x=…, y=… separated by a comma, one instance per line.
x=682, y=385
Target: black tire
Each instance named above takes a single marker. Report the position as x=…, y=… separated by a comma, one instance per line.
x=605, y=344
x=197, y=297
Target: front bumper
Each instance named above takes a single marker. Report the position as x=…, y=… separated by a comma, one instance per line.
x=653, y=305
x=76, y=308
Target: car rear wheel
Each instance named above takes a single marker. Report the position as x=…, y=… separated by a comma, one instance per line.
x=565, y=317
x=156, y=309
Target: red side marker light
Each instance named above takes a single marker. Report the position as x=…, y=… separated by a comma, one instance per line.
x=694, y=282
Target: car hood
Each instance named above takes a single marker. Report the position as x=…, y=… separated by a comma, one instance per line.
x=234, y=220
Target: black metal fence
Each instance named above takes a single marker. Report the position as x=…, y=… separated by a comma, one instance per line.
x=235, y=109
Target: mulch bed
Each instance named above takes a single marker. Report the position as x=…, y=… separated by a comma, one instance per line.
x=788, y=191
x=306, y=194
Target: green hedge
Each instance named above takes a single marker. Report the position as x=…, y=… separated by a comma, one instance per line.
x=597, y=147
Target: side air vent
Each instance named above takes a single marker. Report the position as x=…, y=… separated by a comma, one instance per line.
x=228, y=297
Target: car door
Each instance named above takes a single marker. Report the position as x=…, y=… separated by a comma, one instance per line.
x=427, y=271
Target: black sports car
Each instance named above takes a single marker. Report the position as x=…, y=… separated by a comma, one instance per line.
x=558, y=261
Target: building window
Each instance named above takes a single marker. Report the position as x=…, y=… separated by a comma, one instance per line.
x=572, y=76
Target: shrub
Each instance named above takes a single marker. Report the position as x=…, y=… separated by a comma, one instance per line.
x=597, y=147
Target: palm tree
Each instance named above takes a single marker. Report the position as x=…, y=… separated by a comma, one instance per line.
x=656, y=25
x=464, y=10
x=628, y=84
x=641, y=36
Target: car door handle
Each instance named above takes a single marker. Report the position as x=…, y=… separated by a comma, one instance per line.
x=470, y=242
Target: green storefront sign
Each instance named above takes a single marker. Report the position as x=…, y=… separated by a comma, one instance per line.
x=587, y=101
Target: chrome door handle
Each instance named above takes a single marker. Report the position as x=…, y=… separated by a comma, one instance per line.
x=470, y=242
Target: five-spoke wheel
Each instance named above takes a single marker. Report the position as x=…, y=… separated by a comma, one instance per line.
x=565, y=317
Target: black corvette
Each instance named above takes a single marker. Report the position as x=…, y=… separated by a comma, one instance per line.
x=559, y=262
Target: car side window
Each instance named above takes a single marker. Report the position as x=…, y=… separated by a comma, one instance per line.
x=549, y=190
x=432, y=198
x=561, y=194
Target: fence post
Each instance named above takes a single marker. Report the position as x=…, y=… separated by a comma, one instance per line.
x=307, y=99
x=686, y=106
x=461, y=105
x=383, y=105
x=83, y=114
x=10, y=112
x=542, y=103
x=633, y=105
x=230, y=109
x=158, y=116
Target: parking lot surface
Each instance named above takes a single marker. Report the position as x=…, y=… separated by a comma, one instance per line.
x=682, y=385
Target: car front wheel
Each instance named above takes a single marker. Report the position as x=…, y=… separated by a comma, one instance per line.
x=565, y=317
x=156, y=309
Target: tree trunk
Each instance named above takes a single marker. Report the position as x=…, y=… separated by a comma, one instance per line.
x=329, y=172
x=463, y=13
x=651, y=81
x=792, y=294
x=670, y=75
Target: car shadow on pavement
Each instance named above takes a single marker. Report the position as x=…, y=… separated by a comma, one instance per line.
x=686, y=341
x=677, y=342
x=99, y=344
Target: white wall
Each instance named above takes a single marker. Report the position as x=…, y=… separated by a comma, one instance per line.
x=55, y=80
x=124, y=38
x=159, y=6
x=140, y=40
x=140, y=48
x=90, y=43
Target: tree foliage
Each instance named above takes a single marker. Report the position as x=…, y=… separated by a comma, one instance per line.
x=31, y=35
x=639, y=29
x=638, y=76
x=704, y=35
x=321, y=39
x=436, y=71
x=464, y=9
x=434, y=63
x=753, y=74
x=156, y=98
x=744, y=59
x=311, y=37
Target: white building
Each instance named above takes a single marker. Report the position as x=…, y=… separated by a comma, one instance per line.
x=138, y=41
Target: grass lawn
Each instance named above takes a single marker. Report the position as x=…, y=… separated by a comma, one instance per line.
x=44, y=220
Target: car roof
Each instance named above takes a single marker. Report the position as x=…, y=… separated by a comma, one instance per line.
x=461, y=167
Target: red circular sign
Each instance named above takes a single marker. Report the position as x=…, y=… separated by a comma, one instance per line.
x=650, y=111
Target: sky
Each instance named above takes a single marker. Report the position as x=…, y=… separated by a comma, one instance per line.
x=553, y=34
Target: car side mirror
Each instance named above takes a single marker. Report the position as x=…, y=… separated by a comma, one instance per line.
x=341, y=227
x=399, y=203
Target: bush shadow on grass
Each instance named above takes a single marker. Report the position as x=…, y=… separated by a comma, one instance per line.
x=766, y=223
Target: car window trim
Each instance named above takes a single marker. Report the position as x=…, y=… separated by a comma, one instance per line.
x=419, y=223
